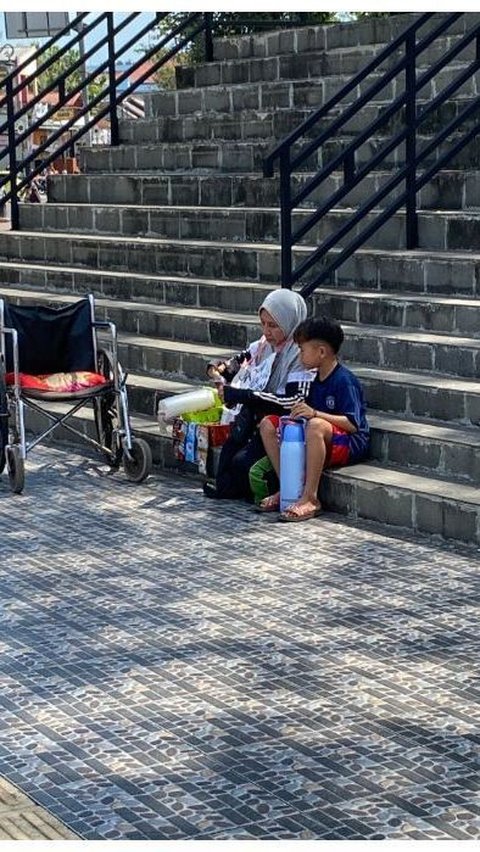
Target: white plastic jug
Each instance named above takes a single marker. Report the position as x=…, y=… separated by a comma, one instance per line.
x=183, y=403
x=292, y=460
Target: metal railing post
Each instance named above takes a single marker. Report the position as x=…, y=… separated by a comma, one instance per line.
x=112, y=83
x=12, y=154
x=208, y=19
x=286, y=219
x=411, y=143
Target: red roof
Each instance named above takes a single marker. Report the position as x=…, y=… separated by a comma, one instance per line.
x=51, y=98
x=137, y=72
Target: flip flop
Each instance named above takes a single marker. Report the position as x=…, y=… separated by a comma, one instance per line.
x=295, y=519
x=270, y=507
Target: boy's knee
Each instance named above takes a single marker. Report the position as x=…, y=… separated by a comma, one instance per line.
x=267, y=427
x=319, y=428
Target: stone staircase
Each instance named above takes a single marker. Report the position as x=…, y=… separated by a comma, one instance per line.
x=176, y=231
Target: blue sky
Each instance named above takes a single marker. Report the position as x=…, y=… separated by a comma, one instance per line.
x=127, y=33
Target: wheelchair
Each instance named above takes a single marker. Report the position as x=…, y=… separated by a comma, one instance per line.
x=56, y=355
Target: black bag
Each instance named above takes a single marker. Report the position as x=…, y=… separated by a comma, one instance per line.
x=243, y=426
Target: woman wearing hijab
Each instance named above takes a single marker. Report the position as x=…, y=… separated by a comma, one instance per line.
x=266, y=366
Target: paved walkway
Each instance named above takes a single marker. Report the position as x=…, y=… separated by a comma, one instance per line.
x=176, y=668
x=22, y=819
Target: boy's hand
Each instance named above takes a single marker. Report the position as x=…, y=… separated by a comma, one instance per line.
x=219, y=386
x=301, y=409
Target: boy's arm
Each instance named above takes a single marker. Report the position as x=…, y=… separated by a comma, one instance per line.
x=301, y=409
x=348, y=396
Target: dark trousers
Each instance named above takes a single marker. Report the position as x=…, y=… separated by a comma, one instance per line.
x=234, y=465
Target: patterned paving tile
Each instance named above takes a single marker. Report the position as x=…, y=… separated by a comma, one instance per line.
x=173, y=668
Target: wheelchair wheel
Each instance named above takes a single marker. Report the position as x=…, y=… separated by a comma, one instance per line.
x=3, y=421
x=105, y=414
x=139, y=465
x=16, y=469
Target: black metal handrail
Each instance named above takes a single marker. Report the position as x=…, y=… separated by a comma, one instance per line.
x=412, y=47
x=105, y=103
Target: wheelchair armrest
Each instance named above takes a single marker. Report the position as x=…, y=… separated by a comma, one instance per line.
x=105, y=324
x=16, y=361
x=112, y=328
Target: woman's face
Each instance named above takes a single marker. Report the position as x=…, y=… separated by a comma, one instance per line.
x=272, y=331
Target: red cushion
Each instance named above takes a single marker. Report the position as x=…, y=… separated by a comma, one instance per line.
x=58, y=382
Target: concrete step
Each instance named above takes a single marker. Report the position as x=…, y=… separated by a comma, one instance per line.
x=270, y=124
x=419, y=503
x=449, y=190
x=276, y=122
x=421, y=394
x=421, y=446
x=169, y=341
x=440, y=448
x=231, y=331
x=397, y=310
x=234, y=157
x=418, y=446
x=401, y=310
x=412, y=350
x=426, y=447
x=438, y=230
x=345, y=36
x=176, y=342
x=332, y=36
x=159, y=289
x=314, y=62
x=442, y=273
x=332, y=70
x=212, y=156
x=284, y=95
x=430, y=125
x=415, y=446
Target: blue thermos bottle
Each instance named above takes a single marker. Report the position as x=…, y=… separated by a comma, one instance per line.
x=292, y=460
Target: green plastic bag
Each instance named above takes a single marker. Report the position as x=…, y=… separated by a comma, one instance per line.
x=263, y=479
x=210, y=415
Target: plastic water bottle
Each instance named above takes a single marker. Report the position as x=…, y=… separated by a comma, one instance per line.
x=182, y=403
x=292, y=460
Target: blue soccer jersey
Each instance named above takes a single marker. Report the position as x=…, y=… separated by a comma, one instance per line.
x=341, y=393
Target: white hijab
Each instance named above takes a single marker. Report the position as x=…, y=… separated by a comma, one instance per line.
x=288, y=309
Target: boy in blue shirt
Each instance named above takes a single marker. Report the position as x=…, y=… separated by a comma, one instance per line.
x=337, y=431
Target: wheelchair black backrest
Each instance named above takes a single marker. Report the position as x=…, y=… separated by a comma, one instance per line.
x=51, y=340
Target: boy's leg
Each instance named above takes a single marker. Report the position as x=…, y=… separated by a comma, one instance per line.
x=269, y=434
x=318, y=443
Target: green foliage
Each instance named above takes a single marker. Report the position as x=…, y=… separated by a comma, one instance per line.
x=359, y=15
x=226, y=24
x=237, y=23
x=74, y=79
x=164, y=77
x=243, y=23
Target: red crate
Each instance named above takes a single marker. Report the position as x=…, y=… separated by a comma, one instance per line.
x=218, y=434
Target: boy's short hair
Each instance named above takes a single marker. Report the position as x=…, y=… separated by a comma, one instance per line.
x=323, y=329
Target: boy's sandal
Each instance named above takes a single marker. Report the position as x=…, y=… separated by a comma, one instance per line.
x=294, y=515
x=269, y=504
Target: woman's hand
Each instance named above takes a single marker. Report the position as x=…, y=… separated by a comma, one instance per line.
x=215, y=373
x=301, y=409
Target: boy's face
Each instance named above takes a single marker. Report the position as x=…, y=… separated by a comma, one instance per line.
x=313, y=353
x=274, y=335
